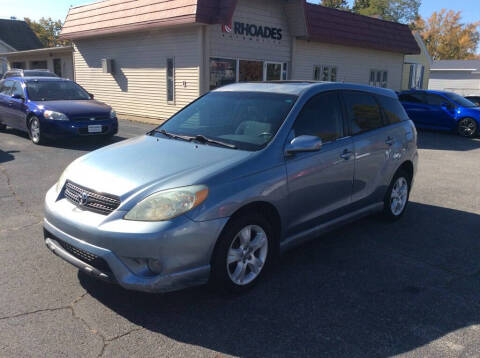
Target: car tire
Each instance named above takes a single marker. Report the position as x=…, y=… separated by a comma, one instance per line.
x=397, y=196
x=34, y=130
x=3, y=127
x=243, y=253
x=467, y=127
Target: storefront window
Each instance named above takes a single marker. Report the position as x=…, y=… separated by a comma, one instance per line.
x=222, y=72
x=38, y=65
x=20, y=65
x=250, y=71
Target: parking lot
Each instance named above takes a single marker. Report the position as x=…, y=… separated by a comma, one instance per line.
x=370, y=289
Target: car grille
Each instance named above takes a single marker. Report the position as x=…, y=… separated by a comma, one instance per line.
x=90, y=200
x=90, y=119
x=85, y=256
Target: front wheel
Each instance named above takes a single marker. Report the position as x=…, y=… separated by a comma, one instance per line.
x=467, y=127
x=396, y=198
x=34, y=130
x=243, y=253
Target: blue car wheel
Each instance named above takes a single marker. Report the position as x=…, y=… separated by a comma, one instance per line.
x=34, y=130
x=467, y=127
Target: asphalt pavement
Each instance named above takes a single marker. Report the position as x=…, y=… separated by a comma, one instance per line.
x=369, y=289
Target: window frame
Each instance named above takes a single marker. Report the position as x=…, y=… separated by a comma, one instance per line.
x=343, y=119
x=349, y=123
x=321, y=68
x=382, y=74
x=170, y=79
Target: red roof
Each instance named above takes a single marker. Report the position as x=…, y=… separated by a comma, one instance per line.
x=349, y=29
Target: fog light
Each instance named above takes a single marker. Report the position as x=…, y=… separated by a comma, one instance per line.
x=155, y=266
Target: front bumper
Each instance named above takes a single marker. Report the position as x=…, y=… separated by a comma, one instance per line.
x=116, y=250
x=66, y=129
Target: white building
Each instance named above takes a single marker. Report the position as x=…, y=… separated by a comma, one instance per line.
x=460, y=76
x=150, y=58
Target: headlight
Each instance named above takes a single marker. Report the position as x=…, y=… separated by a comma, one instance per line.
x=56, y=116
x=113, y=114
x=61, y=181
x=168, y=204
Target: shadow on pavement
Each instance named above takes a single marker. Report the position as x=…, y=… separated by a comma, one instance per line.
x=77, y=143
x=446, y=141
x=370, y=289
x=7, y=156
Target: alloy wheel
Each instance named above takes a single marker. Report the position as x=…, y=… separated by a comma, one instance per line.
x=467, y=127
x=247, y=255
x=35, y=130
x=399, y=196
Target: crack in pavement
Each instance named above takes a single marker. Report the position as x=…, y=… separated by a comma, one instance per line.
x=21, y=227
x=9, y=185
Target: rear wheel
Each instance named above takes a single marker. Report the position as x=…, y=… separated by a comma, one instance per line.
x=396, y=198
x=243, y=253
x=467, y=127
x=34, y=130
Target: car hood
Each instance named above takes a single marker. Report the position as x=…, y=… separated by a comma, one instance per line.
x=128, y=167
x=76, y=108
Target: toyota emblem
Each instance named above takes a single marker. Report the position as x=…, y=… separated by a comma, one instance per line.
x=83, y=199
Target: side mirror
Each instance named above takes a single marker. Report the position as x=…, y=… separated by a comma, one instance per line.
x=302, y=144
x=91, y=95
x=19, y=96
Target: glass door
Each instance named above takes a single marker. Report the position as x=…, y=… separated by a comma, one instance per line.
x=273, y=71
x=250, y=71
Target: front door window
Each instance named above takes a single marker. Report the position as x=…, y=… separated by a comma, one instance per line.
x=250, y=71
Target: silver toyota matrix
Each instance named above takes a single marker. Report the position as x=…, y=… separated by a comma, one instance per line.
x=234, y=179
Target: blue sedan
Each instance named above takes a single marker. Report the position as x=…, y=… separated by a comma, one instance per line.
x=51, y=108
x=442, y=111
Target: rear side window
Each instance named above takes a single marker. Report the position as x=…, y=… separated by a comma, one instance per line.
x=435, y=100
x=321, y=117
x=5, y=87
x=393, y=109
x=363, y=112
x=412, y=97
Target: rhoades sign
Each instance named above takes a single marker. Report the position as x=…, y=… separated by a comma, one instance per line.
x=241, y=28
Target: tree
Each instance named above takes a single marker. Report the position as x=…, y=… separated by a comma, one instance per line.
x=48, y=31
x=336, y=4
x=404, y=11
x=447, y=38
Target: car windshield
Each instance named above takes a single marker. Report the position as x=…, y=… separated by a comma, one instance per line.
x=462, y=101
x=55, y=91
x=245, y=120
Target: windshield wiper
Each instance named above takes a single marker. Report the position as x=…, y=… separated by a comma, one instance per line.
x=172, y=135
x=199, y=138
x=202, y=139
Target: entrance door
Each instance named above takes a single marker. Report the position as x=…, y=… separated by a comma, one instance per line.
x=273, y=71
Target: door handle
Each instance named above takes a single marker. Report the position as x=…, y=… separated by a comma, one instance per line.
x=389, y=141
x=346, y=154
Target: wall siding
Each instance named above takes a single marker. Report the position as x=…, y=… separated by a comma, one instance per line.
x=138, y=85
x=464, y=83
x=353, y=64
